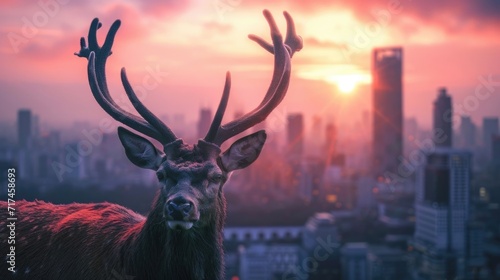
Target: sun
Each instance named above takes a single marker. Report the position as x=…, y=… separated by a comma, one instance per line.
x=346, y=78
x=346, y=86
x=347, y=83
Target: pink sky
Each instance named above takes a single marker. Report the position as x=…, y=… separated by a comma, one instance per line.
x=193, y=43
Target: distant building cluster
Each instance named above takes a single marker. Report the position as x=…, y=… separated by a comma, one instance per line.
x=380, y=199
x=313, y=251
x=82, y=155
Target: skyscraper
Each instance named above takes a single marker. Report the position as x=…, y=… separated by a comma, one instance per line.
x=442, y=208
x=354, y=264
x=495, y=151
x=295, y=135
x=467, y=133
x=387, y=86
x=204, y=122
x=490, y=128
x=331, y=138
x=318, y=229
x=24, y=128
x=315, y=139
x=442, y=119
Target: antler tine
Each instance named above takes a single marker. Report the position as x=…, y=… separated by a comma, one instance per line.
x=292, y=40
x=293, y=43
x=214, y=127
x=101, y=53
x=114, y=111
x=277, y=88
x=97, y=57
x=166, y=133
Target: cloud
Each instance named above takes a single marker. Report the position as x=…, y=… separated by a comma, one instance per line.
x=314, y=42
x=164, y=8
x=451, y=15
x=214, y=26
x=50, y=43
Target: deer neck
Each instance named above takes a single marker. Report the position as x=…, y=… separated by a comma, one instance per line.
x=162, y=253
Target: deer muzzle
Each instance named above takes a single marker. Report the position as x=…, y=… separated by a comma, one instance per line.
x=181, y=213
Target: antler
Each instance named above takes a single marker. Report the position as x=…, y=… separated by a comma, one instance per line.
x=283, y=52
x=151, y=125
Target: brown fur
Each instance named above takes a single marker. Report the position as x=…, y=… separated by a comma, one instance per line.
x=108, y=241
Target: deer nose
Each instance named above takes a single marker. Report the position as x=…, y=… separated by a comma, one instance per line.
x=179, y=208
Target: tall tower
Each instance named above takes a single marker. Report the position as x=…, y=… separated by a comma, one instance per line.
x=442, y=210
x=387, y=86
x=24, y=128
x=442, y=119
x=467, y=132
x=495, y=151
x=204, y=122
x=490, y=129
x=330, y=146
x=295, y=136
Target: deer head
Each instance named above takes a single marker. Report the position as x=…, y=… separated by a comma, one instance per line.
x=191, y=176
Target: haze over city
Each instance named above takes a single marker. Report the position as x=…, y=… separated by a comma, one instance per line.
x=382, y=161
x=191, y=44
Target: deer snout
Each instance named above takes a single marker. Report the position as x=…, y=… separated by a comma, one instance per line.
x=179, y=207
x=180, y=213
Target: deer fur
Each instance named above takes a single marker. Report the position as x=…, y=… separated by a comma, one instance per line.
x=108, y=241
x=181, y=238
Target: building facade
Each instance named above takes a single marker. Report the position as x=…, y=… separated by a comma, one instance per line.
x=24, y=128
x=490, y=129
x=295, y=136
x=442, y=210
x=387, y=87
x=204, y=122
x=442, y=119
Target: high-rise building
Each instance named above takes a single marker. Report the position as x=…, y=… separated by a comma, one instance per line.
x=442, y=210
x=24, y=128
x=387, y=86
x=354, y=263
x=25, y=142
x=442, y=119
x=477, y=232
x=295, y=136
x=495, y=151
x=320, y=229
x=35, y=126
x=315, y=139
x=467, y=133
x=204, y=122
x=331, y=139
x=490, y=128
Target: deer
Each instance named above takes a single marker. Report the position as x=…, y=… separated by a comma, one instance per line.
x=182, y=236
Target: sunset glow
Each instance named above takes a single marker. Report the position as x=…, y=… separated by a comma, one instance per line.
x=346, y=86
x=192, y=44
x=250, y=139
x=347, y=83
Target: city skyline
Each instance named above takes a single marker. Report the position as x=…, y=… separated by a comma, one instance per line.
x=382, y=161
x=439, y=53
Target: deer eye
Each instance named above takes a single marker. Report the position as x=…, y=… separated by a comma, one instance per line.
x=216, y=178
x=160, y=176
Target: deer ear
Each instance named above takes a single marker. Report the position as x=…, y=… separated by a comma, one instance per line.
x=139, y=150
x=244, y=151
